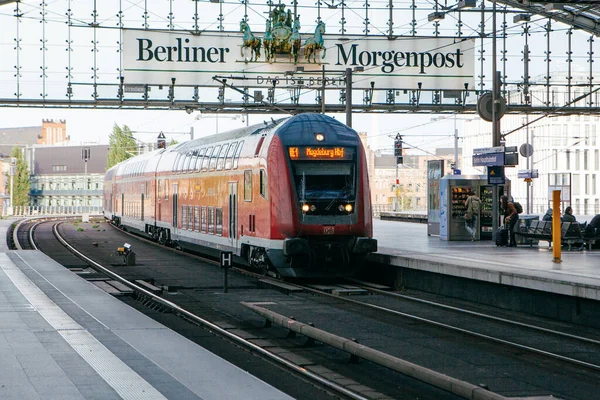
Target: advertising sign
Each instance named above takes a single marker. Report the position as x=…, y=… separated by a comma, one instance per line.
x=435, y=171
x=157, y=57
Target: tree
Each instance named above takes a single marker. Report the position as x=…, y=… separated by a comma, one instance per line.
x=173, y=142
x=122, y=145
x=21, y=181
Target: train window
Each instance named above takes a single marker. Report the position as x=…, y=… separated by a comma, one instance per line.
x=204, y=219
x=221, y=160
x=198, y=165
x=207, y=158
x=219, y=221
x=213, y=158
x=159, y=189
x=263, y=183
x=190, y=218
x=166, y=189
x=259, y=146
x=248, y=185
x=176, y=162
x=230, y=155
x=197, y=219
x=237, y=154
x=188, y=161
x=182, y=160
x=184, y=217
x=211, y=220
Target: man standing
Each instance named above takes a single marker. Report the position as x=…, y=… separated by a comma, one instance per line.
x=473, y=204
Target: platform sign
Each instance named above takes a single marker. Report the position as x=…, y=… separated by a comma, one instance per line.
x=488, y=160
x=488, y=150
x=226, y=259
x=496, y=175
x=528, y=173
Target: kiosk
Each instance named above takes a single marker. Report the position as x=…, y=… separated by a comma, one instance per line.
x=454, y=190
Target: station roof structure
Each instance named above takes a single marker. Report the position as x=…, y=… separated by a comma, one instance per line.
x=580, y=14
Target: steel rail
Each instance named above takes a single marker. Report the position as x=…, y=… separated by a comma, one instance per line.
x=211, y=326
x=481, y=315
x=460, y=330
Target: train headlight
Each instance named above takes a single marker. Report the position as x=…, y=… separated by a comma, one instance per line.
x=305, y=207
x=348, y=208
x=319, y=137
x=341, y=207
x=313, y=208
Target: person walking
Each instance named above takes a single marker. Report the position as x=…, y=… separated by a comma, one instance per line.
x=473, y=204
x=511, y=217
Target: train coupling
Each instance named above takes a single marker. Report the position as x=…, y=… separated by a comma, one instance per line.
x=128, y=254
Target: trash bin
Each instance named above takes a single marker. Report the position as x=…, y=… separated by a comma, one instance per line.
x=524, y=224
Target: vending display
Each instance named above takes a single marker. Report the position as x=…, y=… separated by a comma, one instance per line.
x=459, y=196
x=486, y=212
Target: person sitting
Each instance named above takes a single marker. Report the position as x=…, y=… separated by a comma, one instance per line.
x=568, y=215
x=548, y=215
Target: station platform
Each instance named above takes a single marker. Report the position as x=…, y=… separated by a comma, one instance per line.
x=61, y=337
x=407, y=245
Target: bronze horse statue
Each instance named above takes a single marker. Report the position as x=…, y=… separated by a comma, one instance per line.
x=250, y=42
x=295, y=40
x=315, y=43
x=268, y=42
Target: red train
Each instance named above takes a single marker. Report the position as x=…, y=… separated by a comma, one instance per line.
x=289, y=197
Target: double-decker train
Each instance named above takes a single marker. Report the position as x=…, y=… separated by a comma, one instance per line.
x=290, y=197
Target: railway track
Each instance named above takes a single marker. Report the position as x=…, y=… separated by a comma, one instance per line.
x=156, y=302
x=396, y=308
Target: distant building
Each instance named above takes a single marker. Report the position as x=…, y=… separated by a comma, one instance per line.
x=49, y=133
x=59, y=179
x=411, y=192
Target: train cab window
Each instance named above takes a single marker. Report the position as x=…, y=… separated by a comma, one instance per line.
x=206, y=158
x=325, y=184
x=230, y=155
x=248, y=185
x=219, y=221
x=213, y=158
x=198, y=165
x=221, y=159
x=263, y=183
x=211, y=220
x=237, y=154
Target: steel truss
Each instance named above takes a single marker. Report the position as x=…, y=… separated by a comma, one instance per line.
x=562, y=30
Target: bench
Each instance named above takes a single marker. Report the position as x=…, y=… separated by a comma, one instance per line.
x=571, y=234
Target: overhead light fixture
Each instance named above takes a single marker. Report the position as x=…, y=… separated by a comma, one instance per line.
x=436, y=16
x=466, y=4
x=521, y=18
x=552, y=8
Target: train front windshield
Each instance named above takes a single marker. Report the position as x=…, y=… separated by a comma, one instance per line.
x=325, y=187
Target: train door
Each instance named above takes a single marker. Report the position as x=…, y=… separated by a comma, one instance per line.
x=233, y=217
x=175, y=206
x=142, y=210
